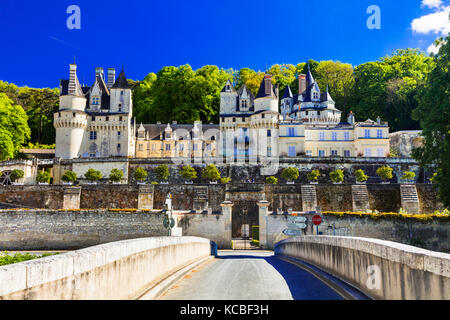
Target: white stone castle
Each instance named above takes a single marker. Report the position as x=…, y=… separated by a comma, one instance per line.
x=96, y=122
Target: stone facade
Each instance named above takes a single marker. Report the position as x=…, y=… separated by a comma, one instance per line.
x=404, y=142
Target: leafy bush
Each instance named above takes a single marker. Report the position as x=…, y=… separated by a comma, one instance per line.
x=43, y=177
x=271, y=180
x=225, y=180
x=69, y=176
x=337, y=176
x=17, y=174
x=408, y=175
x=313, y=175
x=385, y=172
x=93, y=175
x=290, y=174
x=162, y=172
x=140, y=174
x=361, y=176
x=188, y=173
x=211, y=173
x=6, y=259
x=116, y=175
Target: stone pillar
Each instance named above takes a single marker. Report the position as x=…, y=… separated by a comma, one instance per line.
x=410, y=198
x=145, y=197
x=309, y=198
x=360, y=198
x=71, y=198
x=227, y=207
x=263, y=227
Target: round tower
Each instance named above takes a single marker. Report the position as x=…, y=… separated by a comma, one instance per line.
x=70, y=121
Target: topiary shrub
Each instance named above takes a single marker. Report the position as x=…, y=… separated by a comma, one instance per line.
x=384, y=172
x=408, y=175
x=140, y=174
x=290, y=174
x=43, y=177
x=188, y=173
x=69, y=177
x=225, y=180
x=162, y=172
x=211, y=173
x=361, y=176
x=17, y=174
x=313, y=176
x=271, y=180
x=93, y=175
x=116, y=175
x=337, y=176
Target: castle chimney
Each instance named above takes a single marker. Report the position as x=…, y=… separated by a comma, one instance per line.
x=73, y=80
x=301, y=83
x=111, y=77
x=99, y=72
x=351, y=118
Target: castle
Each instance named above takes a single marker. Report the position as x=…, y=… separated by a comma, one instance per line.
x=96, y=122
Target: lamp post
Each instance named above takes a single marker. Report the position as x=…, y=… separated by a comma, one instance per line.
x=168, y=222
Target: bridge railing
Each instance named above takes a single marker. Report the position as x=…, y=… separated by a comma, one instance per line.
x=117, y=270
x=381, y=269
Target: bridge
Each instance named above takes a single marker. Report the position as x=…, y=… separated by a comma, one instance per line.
x=301, y=268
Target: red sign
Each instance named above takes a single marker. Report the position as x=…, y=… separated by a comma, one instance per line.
x=317, y=220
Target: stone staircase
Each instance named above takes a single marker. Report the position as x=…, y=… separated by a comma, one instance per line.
x=408, y=193
x=309, y=197
x=360, y=197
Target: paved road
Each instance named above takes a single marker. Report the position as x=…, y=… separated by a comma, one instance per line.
x=249, y=275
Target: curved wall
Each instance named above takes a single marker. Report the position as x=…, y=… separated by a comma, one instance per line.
x=380, y=269
x=118, y=270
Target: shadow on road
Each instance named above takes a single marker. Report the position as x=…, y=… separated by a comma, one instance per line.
x=302, y=284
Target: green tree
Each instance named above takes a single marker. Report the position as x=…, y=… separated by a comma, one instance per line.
x=433, y=112
x=162, y=172
x=140, y=174
x=17, y=174
x=337, y=176
x=271, y=180
x=211, y=173
x=116, y=175
x=385, y=172
x=43, y=177
x=69, y=176
x=93, y=175
x=290, y=174
x=188, y=173
x=14, y=130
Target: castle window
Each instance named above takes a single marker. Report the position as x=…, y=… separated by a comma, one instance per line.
x=321, y=153
x=316, y=96
x=234, y=119
x=194, y=147
x=347, y=153
x=121, y=93
x=368, y=152
x=93, y=135
x=95, y=100
x=334, y=136
x=243, y=119
x=262, y=116
x=93, y=118
x=269, y=151
x=59, y=115
x=380, y=153
x=291, y=132
x=141, y=147
x=322, y=136
x=269, y=133
x=118, y=134
x=346, y=136
x=74, y=114
x=120, y=118
x=308, y=153
x=118, y=146
x=106, y=118
x=380, y=134
x=181, y=147
x=208, y=147
x=167, y=147
x=334, y=153
x=120, y=108
x=367, y=133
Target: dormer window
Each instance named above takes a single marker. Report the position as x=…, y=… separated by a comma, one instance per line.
x=120, y=108
x=315, y=95
x=95, y=101
x=121, y=93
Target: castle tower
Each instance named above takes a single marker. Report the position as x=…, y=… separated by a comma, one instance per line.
x=70, y=121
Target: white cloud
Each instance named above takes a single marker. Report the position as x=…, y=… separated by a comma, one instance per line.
x=431, y=3
x=433, y=49
x=437, y=23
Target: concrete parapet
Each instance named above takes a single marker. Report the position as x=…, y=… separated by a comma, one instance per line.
x=118, y=270
x=380, y=269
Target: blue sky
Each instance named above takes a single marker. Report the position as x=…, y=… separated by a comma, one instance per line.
x=144, y=36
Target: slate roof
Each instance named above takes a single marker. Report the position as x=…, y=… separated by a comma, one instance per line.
x=121, y=82
x=287, y=93
x=267, y=89
x=231, y=85
x=154, y=131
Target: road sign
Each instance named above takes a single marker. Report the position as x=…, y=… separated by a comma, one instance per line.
x=293, y=232
x=296, y=222
x=317, y=220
